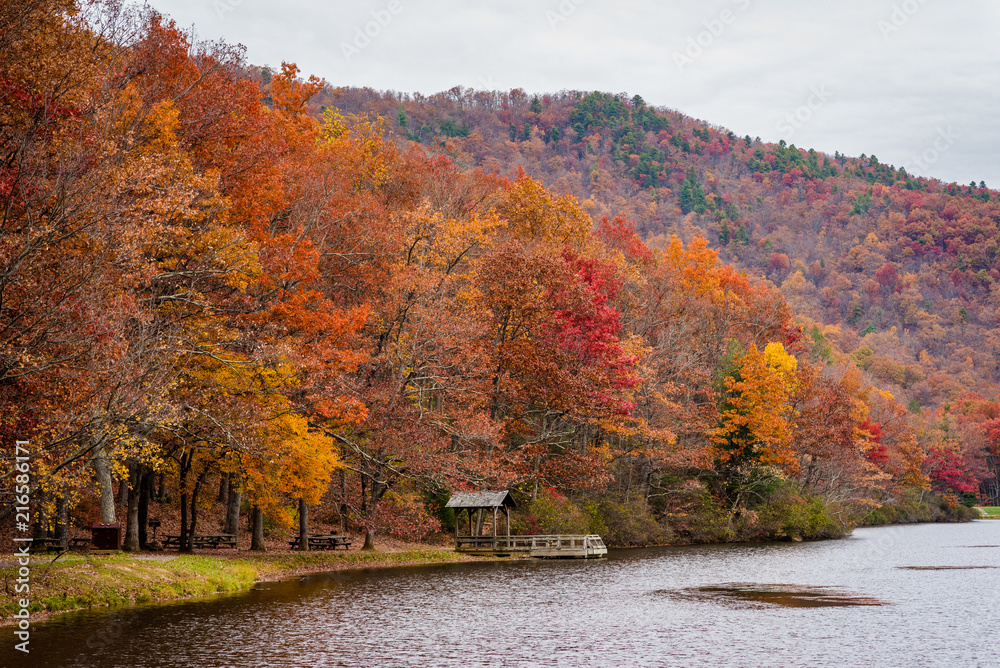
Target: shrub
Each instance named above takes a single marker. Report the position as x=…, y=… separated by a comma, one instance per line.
x=915, y=507
x=550, y=513
x=788, y=515
x=632, y=523
x=407, y=517
x=698, y=517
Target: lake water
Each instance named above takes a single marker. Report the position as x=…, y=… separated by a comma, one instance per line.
x=926, y=595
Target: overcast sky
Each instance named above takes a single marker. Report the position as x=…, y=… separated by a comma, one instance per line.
x=914, y=82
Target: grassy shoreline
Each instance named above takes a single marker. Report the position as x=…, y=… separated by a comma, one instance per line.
x=79, y=582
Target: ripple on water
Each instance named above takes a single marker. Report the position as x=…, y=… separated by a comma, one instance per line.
x=784, y=595
x=944, y=568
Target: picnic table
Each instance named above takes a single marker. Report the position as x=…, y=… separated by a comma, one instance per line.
x=53, y=545
x=320, y=541
x=45, y=545
x=213, y=540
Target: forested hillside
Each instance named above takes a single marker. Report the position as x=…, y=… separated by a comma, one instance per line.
x=344, y=299
x=894, y=273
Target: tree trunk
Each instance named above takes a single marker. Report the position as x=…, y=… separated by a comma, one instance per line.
x=372, y=519
x=364, y=496
x=233, y=499
x=224, y=488
x=132, y=516
x=257, y=535
x=123, y=489
x=343, y=500
x=303, y=525
x=369, y=539
x=161, y=486
x=185, y=463
x=145, y=490
x=41, y=528
x=194, y=509
x=62, y=522
x=102, y=470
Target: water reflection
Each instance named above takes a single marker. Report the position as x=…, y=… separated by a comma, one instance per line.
x=593, y=613
x=787, y=595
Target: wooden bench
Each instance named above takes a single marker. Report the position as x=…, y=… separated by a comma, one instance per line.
x=79, y=543
x=319, y=541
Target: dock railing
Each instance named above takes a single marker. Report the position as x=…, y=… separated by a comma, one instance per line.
x=591, y=544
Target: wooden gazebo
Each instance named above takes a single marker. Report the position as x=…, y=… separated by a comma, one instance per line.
x=476, y=542
x=478, y=503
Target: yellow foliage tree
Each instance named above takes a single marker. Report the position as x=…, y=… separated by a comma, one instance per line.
x=754, y=425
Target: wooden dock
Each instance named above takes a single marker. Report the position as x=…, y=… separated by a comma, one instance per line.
x=477, y=506
x=553, y=547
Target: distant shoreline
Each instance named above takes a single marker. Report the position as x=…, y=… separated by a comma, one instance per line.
x=989, y=512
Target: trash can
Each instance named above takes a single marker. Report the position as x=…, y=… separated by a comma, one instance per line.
x=106, y=536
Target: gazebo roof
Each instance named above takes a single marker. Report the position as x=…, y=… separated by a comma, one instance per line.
x=485, y=499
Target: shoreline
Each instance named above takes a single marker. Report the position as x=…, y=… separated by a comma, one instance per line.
x=88, y=582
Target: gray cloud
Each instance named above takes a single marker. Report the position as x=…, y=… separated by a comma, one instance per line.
x=898, y=72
